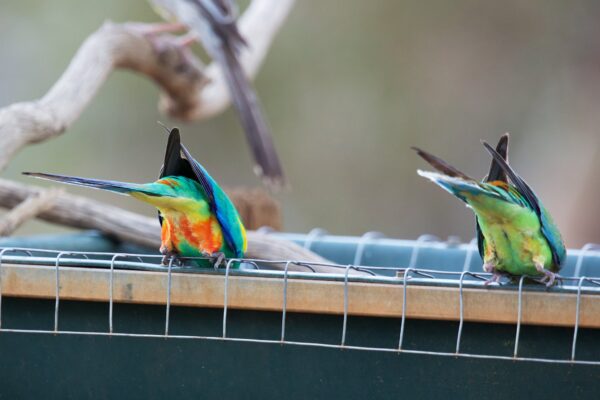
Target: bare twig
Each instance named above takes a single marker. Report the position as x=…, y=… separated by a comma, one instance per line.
x=28, y=209
x=80, y=212
x=191, y=92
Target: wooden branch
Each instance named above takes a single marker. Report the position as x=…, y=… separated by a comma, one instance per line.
x=191, y=92
x=80, y=212
x=28, y=209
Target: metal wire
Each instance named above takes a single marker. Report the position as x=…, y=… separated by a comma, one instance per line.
x=284, y=307
x=168, y=306
x=418, y=244
x=111, y=289
x=582, y=252
x=519, y=315
x=403, y=321
x=462, y=307
x=57, y=300
x=2, y=252
x=311, y=344
x=445, y=278
x=226, y=296
x=576, y=329
x=461, y=312
x=362, y=242
x=345, y=323
x=312, y=236
x=577, y=307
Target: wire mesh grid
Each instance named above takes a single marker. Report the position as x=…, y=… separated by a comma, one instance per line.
x=404, y=276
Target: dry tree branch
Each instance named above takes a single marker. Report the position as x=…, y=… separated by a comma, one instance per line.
x=30, y=208
x=191, y=91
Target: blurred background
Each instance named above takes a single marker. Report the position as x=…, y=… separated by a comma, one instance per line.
x=348, y=87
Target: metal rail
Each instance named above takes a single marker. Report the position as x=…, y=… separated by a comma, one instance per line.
x=404, y=275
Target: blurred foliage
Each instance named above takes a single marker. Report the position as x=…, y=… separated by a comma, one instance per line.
x=348, y=87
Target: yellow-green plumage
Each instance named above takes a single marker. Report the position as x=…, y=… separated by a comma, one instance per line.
x=516, y=235
x=513, y=240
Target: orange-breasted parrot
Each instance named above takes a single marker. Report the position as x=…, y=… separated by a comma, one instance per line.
x=516, y=234
x=196, y=216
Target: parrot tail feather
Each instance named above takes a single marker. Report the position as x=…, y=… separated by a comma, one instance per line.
x=460, y=187
x=113, y=186
x=258, y=134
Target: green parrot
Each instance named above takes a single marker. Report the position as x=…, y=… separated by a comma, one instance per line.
x=515, y=234
x=196, y=216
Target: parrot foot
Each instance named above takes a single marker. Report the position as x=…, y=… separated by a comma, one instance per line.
x=218, y=259
x=494, y=279
x=491, y=268
x=168, y=255
x=549, y=276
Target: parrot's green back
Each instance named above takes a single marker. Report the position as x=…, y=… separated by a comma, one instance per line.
x=515, y=231
x=512, y=237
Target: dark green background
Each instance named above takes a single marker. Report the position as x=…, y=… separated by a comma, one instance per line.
x=80, y=366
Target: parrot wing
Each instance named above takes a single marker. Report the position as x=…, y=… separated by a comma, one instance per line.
x=548, y=227
x=496, y=173
x=441, y=165
x=176, y=165
x=112, y=186
x=209, y=186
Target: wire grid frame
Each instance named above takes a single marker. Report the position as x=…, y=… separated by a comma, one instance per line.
x=404, y=275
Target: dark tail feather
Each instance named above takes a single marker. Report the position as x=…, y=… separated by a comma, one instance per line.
x=441, y=165
x=253, y=121
x=113, y=186
x=172, y=163
x=496, y=172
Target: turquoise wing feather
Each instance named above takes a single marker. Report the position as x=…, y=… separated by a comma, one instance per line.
x=548, y=227
x=221, y=206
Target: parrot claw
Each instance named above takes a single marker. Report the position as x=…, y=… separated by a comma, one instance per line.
x=218, y=259
x=168, y=255
x=491, y=268
x=494, y=279
x=549, y=276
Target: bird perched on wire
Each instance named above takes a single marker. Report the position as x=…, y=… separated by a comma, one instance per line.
x=213, y=23
x=196, y=216
x=515, y=233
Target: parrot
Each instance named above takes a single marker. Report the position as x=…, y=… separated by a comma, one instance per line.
x=516, y=235
x=197, y=218
x=213, y=23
